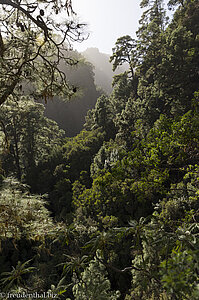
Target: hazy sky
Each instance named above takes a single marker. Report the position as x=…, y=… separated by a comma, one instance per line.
x=107, y=20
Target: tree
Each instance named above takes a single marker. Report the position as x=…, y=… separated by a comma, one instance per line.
x=106, y=157
x=149, y=43
x=30, y=136
x=149, y=50
x=94, y=283
x=123, y=52
x=181, y=56
x=167, y=50
x=32, y=44
x=101, y=117
x=173, y=3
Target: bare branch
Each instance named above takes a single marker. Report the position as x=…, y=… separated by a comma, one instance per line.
x=2, y=48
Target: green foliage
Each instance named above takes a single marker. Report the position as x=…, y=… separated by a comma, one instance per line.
x=101, y=117
x=127, y=185
x=94, y=284
x=30, y=136
x=123, y=52
x=78, y=151
x=107, y=156
x=15, y=277
x=167, y=253
x=24, y=215
x=172, y=3
x=178, y=276
x=160, y=50
x=145, y=173
x=75, y=264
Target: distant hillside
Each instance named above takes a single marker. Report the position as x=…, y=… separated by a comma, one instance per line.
x=70, y=115
x=102, y=68
x=95, y=71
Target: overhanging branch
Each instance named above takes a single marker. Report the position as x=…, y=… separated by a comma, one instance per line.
x=38, y=21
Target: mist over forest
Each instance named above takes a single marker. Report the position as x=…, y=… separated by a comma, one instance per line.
x=93, y=77
x=99, y=156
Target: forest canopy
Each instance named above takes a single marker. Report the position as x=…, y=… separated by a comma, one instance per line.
x=112, y=212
